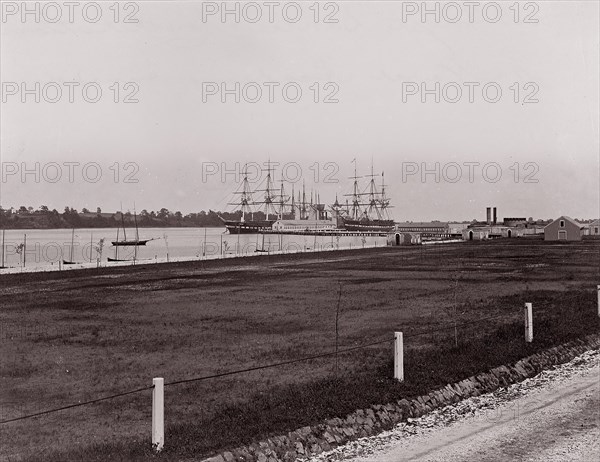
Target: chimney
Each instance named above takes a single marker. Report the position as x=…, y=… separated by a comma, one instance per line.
x=495, y=216
x=488, y=215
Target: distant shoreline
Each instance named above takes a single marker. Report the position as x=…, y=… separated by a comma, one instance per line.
x=154, y=225
x=51, y=219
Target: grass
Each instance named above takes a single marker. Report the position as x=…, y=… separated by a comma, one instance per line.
x=183, y=320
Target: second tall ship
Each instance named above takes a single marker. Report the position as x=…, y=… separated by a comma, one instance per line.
x=369, y=208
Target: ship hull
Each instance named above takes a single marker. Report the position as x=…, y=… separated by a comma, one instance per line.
x=130, y=243
x=369, y=225
x=249, y=227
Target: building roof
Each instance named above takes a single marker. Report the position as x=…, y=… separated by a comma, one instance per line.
x=490, y=227
x=103, y=215
x=569, y=219
x=422, y=224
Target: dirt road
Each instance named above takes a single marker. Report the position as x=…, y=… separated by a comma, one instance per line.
x=558, y=422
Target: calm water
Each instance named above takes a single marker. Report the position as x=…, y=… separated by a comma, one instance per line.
x=45, y=248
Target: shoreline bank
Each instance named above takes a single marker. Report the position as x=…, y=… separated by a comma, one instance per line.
x=166, y=260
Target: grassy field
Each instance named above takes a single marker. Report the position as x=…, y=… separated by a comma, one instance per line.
x=78, y=335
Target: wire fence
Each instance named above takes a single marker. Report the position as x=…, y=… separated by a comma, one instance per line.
x=71, y=406
x=447, y=326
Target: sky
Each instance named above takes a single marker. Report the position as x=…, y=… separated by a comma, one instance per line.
x=162, y=133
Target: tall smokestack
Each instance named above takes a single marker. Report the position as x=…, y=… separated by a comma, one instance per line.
x=489, y=215
x=495, y=217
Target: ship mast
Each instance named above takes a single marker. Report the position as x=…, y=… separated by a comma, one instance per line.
x=369, y=204
x=385, y=202
x=283, y=200
x=268, y=196
x=245, y=196
x=293, y=205
x=373, y=199
x=303, y=209
x=355, y=212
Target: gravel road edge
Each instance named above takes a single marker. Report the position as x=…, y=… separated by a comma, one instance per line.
x=314, y=440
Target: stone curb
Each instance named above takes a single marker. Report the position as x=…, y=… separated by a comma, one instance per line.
x=313, y=440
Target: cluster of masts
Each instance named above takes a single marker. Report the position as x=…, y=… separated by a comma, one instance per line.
x=369, y=203
x=274, y=202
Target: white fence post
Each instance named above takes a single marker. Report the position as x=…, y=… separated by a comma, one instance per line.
x=528, y=323
x=598, y=300
x=158, y=413
x=398, y=357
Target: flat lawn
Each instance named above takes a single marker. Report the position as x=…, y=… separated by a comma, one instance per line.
x=78, y=335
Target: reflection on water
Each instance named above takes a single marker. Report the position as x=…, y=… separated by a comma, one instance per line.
x=47, y=248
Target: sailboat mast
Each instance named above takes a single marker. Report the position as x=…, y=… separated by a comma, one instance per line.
x=2, y=266
x=72, y=243
x=137, y=234
x=123, y=222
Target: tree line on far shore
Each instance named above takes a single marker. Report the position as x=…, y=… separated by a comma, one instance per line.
x=44, y=218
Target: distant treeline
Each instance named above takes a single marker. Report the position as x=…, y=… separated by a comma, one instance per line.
x=44, y=218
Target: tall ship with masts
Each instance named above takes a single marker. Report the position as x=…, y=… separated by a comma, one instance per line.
x=257, y=215
x=368, y=209
x=268, y=208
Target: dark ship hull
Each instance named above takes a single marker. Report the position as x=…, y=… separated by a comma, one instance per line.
x=131, y=243
x=135, y=260
x=249, y=227
x=382, y=226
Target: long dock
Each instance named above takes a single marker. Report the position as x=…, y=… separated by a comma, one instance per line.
x=332, y=232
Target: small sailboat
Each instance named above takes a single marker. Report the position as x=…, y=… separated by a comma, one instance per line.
x=116, y=258
x=263, y=250
x=130, y=242
x=134, y=242
x=70, y=260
